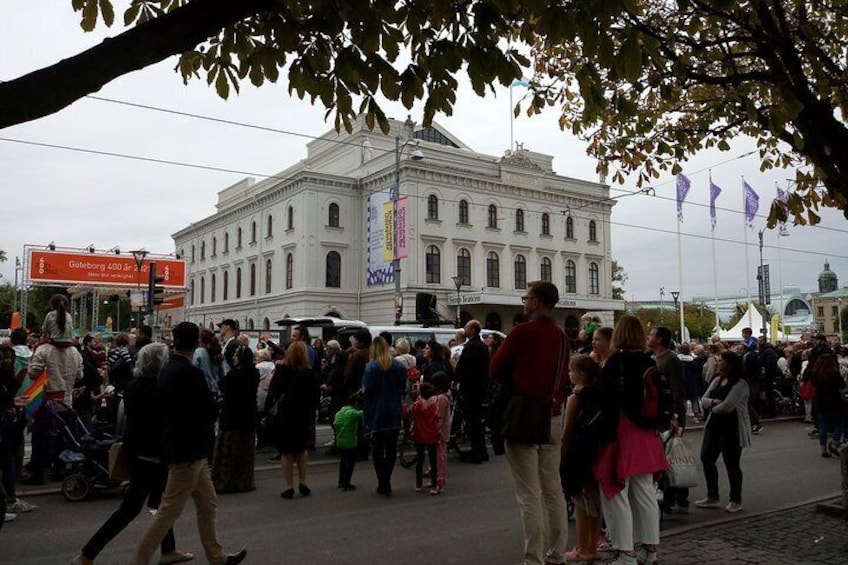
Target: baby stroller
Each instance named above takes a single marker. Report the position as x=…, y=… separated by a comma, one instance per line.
x=84, y=454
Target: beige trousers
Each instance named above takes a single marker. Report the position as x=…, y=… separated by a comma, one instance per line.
x=185, y=480
x=538, y=489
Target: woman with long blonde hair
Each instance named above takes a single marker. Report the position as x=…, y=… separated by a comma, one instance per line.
x=383, y=386
x=292, y=398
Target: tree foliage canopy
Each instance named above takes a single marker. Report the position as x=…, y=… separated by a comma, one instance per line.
x=646, y=82
x=649, y=82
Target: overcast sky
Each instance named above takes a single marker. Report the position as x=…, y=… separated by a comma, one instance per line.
x=78, y=198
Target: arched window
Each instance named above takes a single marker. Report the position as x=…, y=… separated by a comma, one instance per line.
x=226, y=285
x=433, y=265
x=333, y=275
x=570, y=277
x=432, y=207
x=569, y=227
x=289, y=270
x=493, y=216
x=191, y=293
x=268, y=276
x=202, y=289
x=213, y=287
x=202, y=250
x=192, y=253
x=546, y=224
x=593, y=231
x=238, y=283
x=290, y=218
x=546, y=270
x=238, y=238
x=214, y=246
x=226, y=242
x=270, y=228
x=250, y=324
x=519, y=220
x=266, y=324
x=463, y=266
x=253, y=279
x=333, y=215
x=252, y=232
x=520, y=265
x=493, y=270
x=594, y=279
x=463, y=212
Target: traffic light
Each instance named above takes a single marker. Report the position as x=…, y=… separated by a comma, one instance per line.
x=155, y=294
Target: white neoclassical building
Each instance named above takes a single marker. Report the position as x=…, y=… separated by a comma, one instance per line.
x=308, y=241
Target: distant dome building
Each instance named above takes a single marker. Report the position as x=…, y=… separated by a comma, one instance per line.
x=828, y=281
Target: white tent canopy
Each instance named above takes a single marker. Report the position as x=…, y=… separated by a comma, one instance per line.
x=754, y=320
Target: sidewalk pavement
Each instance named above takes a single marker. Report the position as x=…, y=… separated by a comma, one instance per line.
x=801, y=534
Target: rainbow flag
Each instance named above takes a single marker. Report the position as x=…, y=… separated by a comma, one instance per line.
x=35, y=394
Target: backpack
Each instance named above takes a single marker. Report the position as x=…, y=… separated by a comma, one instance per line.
x=656, y=406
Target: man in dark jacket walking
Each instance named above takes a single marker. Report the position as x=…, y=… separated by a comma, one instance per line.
x=473, y=372
x=187, y=410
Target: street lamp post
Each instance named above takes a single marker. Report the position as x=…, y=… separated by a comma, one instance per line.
x=416, y=155
x=459, y=282
x=15, y=289
x=138, y=256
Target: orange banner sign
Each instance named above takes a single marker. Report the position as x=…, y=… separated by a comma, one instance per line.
x=99, y=269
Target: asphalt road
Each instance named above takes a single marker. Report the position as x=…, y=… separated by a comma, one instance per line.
x=474, y=521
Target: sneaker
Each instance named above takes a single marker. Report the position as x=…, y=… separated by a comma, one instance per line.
x=348, y=488
x=757, y=429
x=275, y=458
x=833, y=448
x=825, y=453
x=22, y=506
x=8, y=517
x=733, y=507
x=435, y=490
x=813, y=434
x=419, y=488
x=624, y=559
x=708, y=502
x=644, y=556
x=304, y=490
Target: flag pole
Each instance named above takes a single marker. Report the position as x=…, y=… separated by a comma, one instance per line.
x=715, y=272
x=511, y=120
x=747, y=264
x=680, y=279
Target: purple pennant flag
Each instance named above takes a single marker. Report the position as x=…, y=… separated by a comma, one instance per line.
x=682, y=190
x=783, y=197
x=715, y=190
x=752, y=204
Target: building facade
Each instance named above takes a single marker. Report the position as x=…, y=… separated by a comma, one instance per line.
x=305, y=242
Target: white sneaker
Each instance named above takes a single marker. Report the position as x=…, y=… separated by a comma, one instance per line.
x=22, y=507
x=708, y=502
x=624, y=559
x=733, y=507
x=9, y=517
x=646, y=557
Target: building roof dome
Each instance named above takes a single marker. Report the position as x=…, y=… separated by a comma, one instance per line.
x=828, y=281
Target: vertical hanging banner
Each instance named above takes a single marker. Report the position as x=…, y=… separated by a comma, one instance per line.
x=402, y=250
x=388, y=231
x=379, y=269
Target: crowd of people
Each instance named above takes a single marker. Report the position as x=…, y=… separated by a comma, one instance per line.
x=191, y=417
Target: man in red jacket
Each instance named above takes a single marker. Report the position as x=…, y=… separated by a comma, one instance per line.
x=533, y=362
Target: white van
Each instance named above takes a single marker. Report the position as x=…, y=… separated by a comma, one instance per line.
x=419, y=333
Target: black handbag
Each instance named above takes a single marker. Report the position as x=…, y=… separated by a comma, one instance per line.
x=527, y=419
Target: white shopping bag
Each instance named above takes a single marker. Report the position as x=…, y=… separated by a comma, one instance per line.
x=683, y=465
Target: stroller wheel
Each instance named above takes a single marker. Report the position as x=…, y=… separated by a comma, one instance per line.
x=76, y=487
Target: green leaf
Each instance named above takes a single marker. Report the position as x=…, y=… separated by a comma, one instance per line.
x=222, y=87
x=131, y=13
x=89, y=15
x=108, y=12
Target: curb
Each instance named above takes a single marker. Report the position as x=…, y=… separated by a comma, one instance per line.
x=680, y=530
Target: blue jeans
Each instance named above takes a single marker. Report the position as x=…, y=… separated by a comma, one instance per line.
x=830, y=422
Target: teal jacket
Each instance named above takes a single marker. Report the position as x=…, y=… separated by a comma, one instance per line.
x=347, y=423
